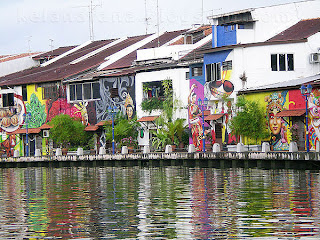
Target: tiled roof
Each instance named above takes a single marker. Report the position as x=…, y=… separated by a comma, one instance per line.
x=206, y=29
x=213, y=117
x=291, y=113
x=6, y=58
x=24, y=131
x=53, y=53
x=91, y=128
x=62, y=69
x=301, y=30
x=45, y=126
x=127, y=60
x=195, y=54
x=147, y=119
x=102, y=123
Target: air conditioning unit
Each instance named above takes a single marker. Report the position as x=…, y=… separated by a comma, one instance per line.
x=315, y=58
x=46, y=133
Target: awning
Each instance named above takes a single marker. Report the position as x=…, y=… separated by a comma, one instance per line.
x=291, y=113
x=45, y=126
x=24, y=131
x=102, y=123
x=147, y=119
x=91, y=128
x=213, y=117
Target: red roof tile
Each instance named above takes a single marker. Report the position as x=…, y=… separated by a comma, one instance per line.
x=53, y=53
x=24, y=131
x=213, y=117
x=301, y=30
x=291, y=113
x=127, y=61
x=45, y=126
x=147, y=119
x=102, y=123
x=62, y=69
x=91, y=128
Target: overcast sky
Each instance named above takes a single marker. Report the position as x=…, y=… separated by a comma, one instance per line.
x=37, y=25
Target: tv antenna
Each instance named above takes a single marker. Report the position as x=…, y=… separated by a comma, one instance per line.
x=146, y=16
x=91, y=8
x=29, y=45
x=51, y=44
x=158, y=23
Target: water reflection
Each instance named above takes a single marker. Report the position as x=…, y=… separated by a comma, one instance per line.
x=158, y=203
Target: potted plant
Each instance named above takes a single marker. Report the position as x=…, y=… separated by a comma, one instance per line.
x=68, y=132
x=130, y=143
x=123, y=128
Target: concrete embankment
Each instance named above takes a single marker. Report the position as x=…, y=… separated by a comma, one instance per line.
x=221, y=159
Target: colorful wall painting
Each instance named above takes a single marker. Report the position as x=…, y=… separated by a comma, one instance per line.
x=277, y=125
x=37, y=110
x=124, y=101
x=220, y=88
x=195, y=115
x=11, y=118
x=314, y=118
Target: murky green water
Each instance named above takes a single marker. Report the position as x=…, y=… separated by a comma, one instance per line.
x=158, y=203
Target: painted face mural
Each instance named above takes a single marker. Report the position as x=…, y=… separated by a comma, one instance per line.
x=194, y=119
x=129, y=106
x=314, y=117
x=277, y=125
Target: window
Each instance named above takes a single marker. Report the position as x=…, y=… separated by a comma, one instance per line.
x=187, y=75
x=188, y=39
x=227, y=65
x=24, y=93
x=50, y=91
x=7, y=100
x=84, y=91
x=197, y=71
x=282, y=62
x=213, y=72
x=156, y=88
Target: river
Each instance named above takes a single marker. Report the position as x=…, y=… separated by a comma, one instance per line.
x=158, y=203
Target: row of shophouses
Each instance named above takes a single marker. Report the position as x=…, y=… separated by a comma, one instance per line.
x=264, y=53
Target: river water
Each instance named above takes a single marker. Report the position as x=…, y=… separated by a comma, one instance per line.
x=158, y=203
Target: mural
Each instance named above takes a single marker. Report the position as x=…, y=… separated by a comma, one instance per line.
x=11, y=118
x=37, y=111
x=124, y=100
x=277, y=125
x=77, y=110
x=220, y=88
x=314, y=117
x=195, y=115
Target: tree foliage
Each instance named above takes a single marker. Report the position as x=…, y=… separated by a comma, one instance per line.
x=250, y=120
x=123, y=128
x=68, y=131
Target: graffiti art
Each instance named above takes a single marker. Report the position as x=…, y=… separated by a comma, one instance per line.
x=277, y=125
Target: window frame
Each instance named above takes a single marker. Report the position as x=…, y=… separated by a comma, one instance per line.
x=5, y=97
x=196, y=71
x=79, y=92
x=213, y=72
x=50, y=91
x=282, y=62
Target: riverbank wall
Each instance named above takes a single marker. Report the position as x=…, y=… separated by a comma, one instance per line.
x=209, y=159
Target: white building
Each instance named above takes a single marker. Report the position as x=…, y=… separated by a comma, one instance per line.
x=165, y=63
x=255, y=47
